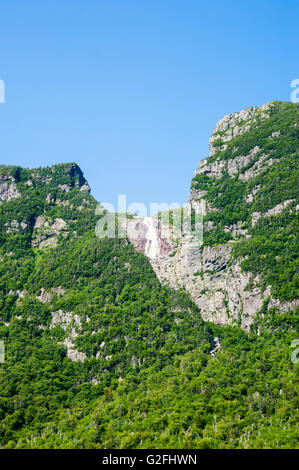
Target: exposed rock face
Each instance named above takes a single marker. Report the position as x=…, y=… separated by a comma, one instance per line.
x=64, y=319
x=46, y=296
x=232, y=167
x=72, y=324
x=85, y=187
x=73, y=353
x=15, y=226
x=8, y=189
x=214, y=280
x=46, y=231
x=218, y=289
x=19, y=293
x=216, y=346
x=274, y=211
x=145, y=233
x=236, y=124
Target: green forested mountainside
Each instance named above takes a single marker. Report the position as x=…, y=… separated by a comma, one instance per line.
x=245, y=397
x=124, y=319
x=100, y=354
x=271, y=248
x=52, y=191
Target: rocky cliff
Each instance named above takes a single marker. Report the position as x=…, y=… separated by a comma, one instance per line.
x=245, y=189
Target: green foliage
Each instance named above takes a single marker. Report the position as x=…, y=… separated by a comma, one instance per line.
x=146, y=378
x=245, y=397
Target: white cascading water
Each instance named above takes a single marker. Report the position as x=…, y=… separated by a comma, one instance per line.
x=152, y=249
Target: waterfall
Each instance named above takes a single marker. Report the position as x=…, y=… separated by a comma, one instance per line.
x=152, y=247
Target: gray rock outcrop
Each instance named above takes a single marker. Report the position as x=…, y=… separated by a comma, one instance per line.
x=8, y=189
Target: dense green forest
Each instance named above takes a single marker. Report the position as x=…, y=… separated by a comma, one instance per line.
x=99, y=354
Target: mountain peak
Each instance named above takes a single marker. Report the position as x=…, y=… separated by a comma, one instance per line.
x=63, y=175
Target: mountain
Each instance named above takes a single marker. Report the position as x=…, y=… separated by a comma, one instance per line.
x=247, y=190
x=110, y=343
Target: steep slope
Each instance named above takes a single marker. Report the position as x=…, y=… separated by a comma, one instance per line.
x=243, y=397
x=77, y=313
x=247, y=191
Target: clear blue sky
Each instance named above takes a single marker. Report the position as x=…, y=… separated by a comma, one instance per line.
x=131, y=89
